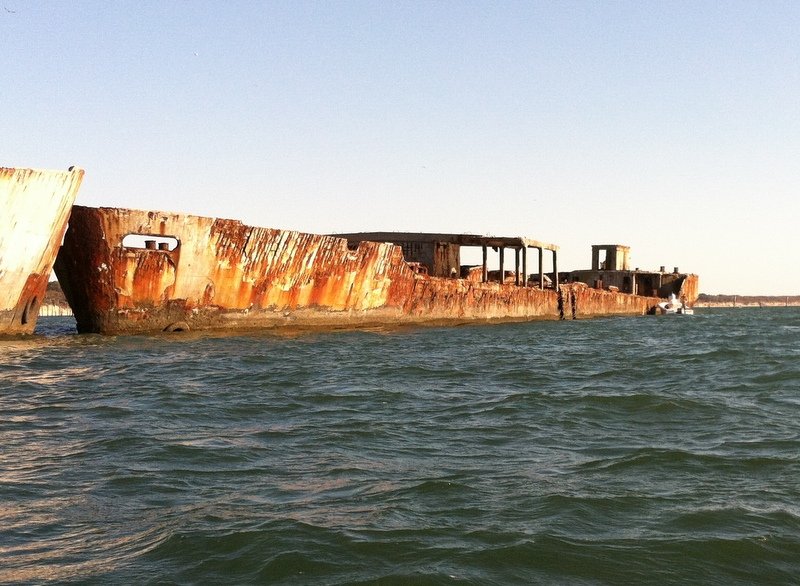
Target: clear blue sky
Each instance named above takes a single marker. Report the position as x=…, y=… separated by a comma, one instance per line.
x=672, y=127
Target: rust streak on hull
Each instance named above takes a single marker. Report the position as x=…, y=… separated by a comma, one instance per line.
x=34, y=209
x=223, y=274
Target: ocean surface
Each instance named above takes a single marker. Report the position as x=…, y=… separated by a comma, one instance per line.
x=643, y=450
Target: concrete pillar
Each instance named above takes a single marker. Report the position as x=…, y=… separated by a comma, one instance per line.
x=524, y=266
x=611, y=259
x=516, y=267
x=555, y=270
x=502, y=269
x=541, y=268
x=485, y=272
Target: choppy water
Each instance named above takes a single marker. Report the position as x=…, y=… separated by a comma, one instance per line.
x=613, y=451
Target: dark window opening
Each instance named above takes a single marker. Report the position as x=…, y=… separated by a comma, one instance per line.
x=627, y=286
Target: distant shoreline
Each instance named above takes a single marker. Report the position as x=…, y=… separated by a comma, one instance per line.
x=705, y=300
x=745, y=305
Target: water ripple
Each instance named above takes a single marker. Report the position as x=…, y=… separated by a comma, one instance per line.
x=609, y=451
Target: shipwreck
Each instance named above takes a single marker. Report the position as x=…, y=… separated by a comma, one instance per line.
x=35, y=208
x=131, y=271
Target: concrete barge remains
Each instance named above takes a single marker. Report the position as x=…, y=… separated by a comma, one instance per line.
x=34, y=208
x=611, y=269
x=129, y=271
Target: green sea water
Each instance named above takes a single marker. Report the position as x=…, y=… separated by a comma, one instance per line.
x=648, y=450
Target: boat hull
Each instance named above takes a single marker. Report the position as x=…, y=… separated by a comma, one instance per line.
x=34, y=209
x=206, y=273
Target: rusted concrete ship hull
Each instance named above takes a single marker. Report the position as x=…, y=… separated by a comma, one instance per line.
x=34, y=209
x=201, y=273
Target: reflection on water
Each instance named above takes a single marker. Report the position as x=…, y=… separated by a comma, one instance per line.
x=24, y=375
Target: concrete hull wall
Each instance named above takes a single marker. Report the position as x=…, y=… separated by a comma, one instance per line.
x=689, y=289
x=224, y=274
x=34, y=209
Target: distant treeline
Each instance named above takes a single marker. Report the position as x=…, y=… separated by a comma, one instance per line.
x=705, y=298
x=54, y=295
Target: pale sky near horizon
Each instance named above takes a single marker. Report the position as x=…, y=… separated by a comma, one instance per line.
x=671, y=127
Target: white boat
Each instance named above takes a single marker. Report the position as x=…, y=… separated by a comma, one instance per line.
x=674, y=306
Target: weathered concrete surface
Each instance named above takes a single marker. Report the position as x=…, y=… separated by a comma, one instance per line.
x=225, y=274
x=689, y=288
x=34, y=208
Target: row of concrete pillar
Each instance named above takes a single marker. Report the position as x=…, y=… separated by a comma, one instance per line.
x=524, y=255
